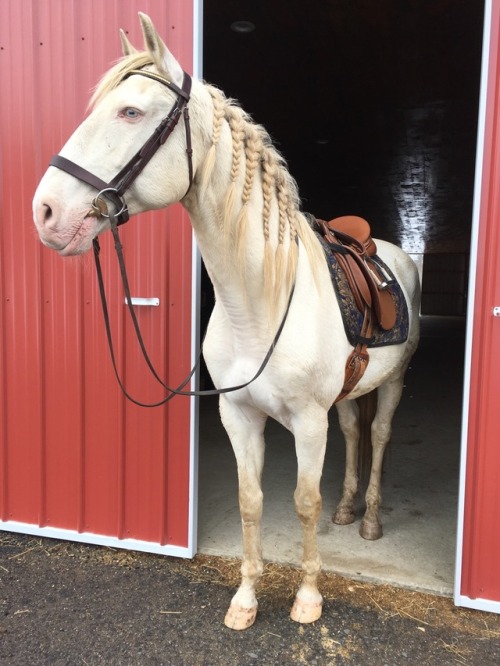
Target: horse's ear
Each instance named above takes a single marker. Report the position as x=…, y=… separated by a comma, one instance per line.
x=127, y=47
x=161, y=56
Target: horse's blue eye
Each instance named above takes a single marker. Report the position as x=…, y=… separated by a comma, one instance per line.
x=130, y=113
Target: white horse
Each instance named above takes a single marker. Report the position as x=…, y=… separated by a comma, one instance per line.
x=255, y=242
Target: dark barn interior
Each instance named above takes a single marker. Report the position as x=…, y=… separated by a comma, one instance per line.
x=374, y=106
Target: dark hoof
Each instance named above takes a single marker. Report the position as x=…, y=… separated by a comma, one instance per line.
x=370, y=531
x=343, y=516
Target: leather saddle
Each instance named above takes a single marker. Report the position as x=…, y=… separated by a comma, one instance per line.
x=366, y=277
x=349, y=237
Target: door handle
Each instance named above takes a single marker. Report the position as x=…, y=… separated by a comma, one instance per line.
x=138, y=300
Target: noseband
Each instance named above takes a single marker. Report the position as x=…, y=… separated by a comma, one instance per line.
x=114, y=190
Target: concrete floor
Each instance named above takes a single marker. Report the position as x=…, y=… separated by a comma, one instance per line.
x=420, y=484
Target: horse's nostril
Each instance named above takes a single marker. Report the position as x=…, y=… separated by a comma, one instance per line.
x=47, y=213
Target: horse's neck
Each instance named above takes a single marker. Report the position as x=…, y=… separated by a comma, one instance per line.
x=240, y=288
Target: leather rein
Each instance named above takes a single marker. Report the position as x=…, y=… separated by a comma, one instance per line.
x=114, y=192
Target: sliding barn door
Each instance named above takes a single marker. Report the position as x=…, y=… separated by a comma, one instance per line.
x=478, y=574
x=77, y=460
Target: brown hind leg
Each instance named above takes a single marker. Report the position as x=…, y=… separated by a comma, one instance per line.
x=348, y=413
x=389, y=395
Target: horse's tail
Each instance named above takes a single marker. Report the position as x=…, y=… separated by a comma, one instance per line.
x=367, y=405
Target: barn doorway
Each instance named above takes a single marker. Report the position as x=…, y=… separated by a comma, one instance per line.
x=375, y=109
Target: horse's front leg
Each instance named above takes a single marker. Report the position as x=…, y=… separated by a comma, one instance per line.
x=245, y=427
x=310, y=442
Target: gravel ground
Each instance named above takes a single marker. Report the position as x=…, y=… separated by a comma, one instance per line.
x=68, y=604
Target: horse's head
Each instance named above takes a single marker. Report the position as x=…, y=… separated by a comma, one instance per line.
x=126, y=110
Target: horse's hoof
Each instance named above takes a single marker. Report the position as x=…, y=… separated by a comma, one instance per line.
x=306, y=611
x=371, y=531
x=343, y=516
x=239, y=618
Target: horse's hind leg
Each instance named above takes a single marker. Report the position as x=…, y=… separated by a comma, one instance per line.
x=310, y=444
x=348, y=413
x=389, y=395
x=245, y=428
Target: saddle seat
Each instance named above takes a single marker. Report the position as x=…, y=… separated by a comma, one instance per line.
x=357, y=228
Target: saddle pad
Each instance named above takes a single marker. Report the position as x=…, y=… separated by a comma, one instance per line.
x=352, y=317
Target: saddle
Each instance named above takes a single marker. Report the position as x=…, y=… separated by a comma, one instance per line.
x=349, y=237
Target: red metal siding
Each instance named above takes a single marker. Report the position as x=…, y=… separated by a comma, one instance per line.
x=73, y=454
x=481, y=538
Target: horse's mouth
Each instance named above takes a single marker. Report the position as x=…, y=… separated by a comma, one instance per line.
x=81, y=241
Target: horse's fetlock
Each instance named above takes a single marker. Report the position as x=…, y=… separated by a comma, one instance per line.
x=373, y=500
x=312, y=566
x=252, y=569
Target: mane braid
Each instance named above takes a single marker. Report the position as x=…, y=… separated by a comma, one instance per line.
x=253, y=149
x=237, y=137
x=209, y=163
x=268, y=190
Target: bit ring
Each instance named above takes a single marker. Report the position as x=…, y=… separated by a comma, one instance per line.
x=97, y=209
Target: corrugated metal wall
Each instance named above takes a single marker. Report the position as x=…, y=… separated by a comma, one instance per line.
x=478, y=573
x=73, y=454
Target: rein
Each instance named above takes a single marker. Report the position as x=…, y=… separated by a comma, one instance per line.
x=179, y=389
x=114, y=191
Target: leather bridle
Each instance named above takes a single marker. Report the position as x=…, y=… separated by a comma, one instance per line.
x=116, y=188
x=114, y=191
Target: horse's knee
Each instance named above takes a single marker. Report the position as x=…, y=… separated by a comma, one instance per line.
x=251, y=503
x=307, y=505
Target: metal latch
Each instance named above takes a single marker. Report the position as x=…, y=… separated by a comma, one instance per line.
x=137, y=300
x=496, y=311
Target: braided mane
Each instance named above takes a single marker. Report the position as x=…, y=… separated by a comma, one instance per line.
x=253, y=151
